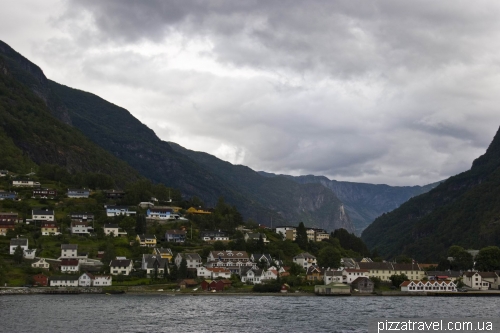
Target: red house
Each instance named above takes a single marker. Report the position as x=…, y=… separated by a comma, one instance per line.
x=41, y=280
x=219, y=285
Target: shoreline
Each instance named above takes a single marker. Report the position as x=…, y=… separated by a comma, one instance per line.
x=10, y=291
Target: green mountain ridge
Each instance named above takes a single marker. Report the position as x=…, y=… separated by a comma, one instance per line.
x=464, y=210
x=116, y=131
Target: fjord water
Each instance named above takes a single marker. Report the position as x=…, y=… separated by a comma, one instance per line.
x=160, y=313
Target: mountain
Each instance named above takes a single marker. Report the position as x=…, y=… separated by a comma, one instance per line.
x=463, y=210
x=30, y=135
x=365, y=202
x=116, y=131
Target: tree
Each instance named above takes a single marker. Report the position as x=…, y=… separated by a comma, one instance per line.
x=109, y=254
x=301, y=237
x=219, y=246
x=140, y=224
x=462, y=260
x=296, y=269
x=128, y=224
x=397, y=279
x=182, y=273
x=402, y=259
x=329, y=257
x=488, y=259
x=173, y=273
x=165, y=271
x=18, y=255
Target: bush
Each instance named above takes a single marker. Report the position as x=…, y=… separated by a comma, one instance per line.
x=267, y=288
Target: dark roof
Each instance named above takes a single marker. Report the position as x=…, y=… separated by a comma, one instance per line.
x=151, y=259
x=111, y=225
x=67, y=277
x=190, y=256
x=69, y=246
x=175, y=232
x=19, y=242
x=259, y=256
x=406, y=267
x=333, y=273
x=376, y=265
x=304, y=255
x=361, y=279
x=69, y=262
x=314, y=268
x=486, y=275
x=444, y=273
x=120, y=263
x=42, y=212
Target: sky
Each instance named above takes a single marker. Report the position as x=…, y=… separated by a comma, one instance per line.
x=395, y=92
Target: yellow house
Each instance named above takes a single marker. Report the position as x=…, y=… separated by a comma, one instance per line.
x=146, y=240
x=384, y=270
x=193, y=210
x=164, y=253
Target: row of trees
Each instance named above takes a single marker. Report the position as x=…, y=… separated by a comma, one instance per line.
x=487, y=260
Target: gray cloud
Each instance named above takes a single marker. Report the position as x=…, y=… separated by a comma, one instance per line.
x=382, y=91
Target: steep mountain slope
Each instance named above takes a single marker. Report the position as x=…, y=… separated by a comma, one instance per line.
x=118, y=132
x=312, y=204
x=30, y=135
x=365, y=202
x=464, y=210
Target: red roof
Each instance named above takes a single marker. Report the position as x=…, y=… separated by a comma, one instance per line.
x=69, y=262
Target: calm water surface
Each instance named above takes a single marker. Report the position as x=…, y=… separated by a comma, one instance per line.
x=160, y=313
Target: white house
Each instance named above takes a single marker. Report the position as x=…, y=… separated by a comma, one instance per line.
x=80, y=228
x=64, y=281
x=85, y=280
x=284, y=230
x=78, y=193
x=228, y=255
x=121, y=266
x=69, y=250
x=435, y=285
x=350, y=274
x=151, y=262
x=70, y=265
x=256, y=236
x=203, y=272
x=43, y=215
x=29, y=254
x=333, y=276
x=253, y=275
x=15, y=242
x=118, y=210
x=480, y=280
x=41, y=264
x=217, y=273
x=305, y=260
x=113, y=229
x=25, y=183
x=102, y=280
x=193, y=260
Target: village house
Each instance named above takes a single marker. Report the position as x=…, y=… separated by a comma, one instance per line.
x=81, y=216
x=320, y=234
x=443, y=275
x=7, y=222
x=435, y=285
x=480, y=280
x=81, y=228
x=44, y=193
x=305, y=260
x=332, y=289
x=175, y=236
x=263, y=258
x=255, y=236
x=69, y=250
x=218, y=273
x=49, y=229
x=146, y=240
x=4, y=173
x=228, y=256
x=192, y=210
x=349, y=274
x=384, y=270
x=287, y=232
x=25, y=183
x=15, y=242
x=219, y=285
x=203, y=272
x=29, y=254
x=164, y=253
x=348, y=263
x=40, y=280
x=64, y=281
x=152, y=263
x=42, y=215
x=212, y=236
x=111, y=229
x=41, y=263
x=70, y=265
x=159, y=213
x=118, y=210
x=333, y=276
x=8, y=195
x=362, y=285
x=78, y=193
x=85, y=280
x=193, y=260
x=314, y=273
x=102, y=280
x=121, y=266
x=114, y=194
x=253, y=276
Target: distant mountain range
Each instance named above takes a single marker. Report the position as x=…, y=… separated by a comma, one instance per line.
x=82, y=132
x=463, y=210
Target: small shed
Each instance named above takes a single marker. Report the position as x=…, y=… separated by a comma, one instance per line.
x=41, y=280
x=187, y=283
x=333, y=289
x=205, y=284
x=220, y=285
x=362, y=285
